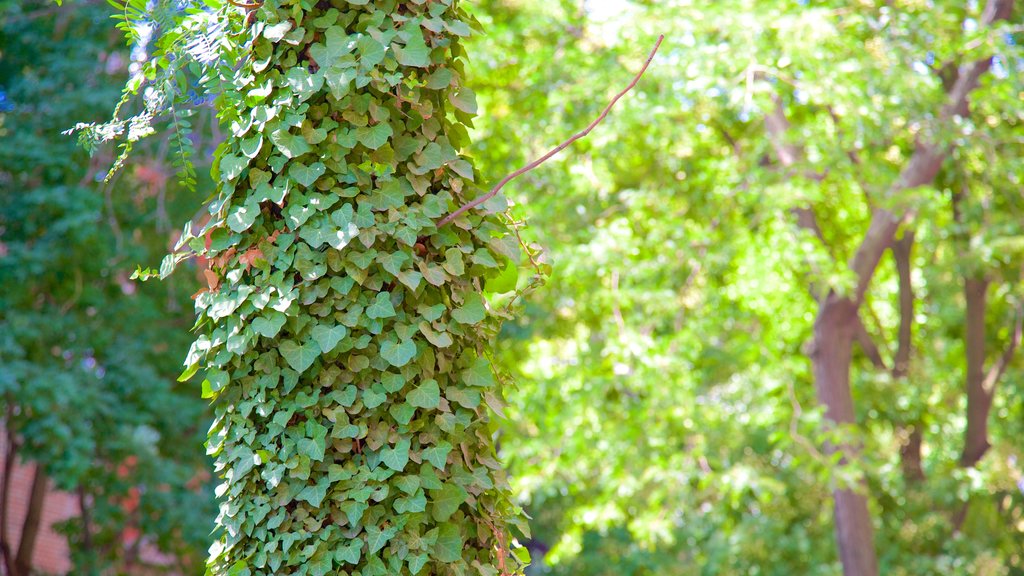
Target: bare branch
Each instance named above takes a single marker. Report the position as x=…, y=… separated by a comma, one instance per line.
x=497, y=188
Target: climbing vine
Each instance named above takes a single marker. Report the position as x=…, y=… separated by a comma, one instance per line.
x=356, y=278
x=343, y=332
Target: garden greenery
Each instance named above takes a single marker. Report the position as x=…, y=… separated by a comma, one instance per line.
x=343, y=333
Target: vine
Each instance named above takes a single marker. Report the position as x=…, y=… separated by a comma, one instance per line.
x=352, y=295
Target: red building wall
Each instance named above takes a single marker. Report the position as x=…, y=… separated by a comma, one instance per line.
x=51, y=551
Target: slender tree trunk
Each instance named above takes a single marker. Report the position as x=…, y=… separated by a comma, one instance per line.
x=10, y=454
x=910, y=451
x=979, y=400
x=834, y=332
x=30, y=529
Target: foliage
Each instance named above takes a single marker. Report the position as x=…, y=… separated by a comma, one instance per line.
x=343, y=334
x=86, y=383
x=664, y=381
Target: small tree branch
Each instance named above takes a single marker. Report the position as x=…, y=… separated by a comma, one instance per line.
x=497, y=188
x=10, y=455
x=997, y=370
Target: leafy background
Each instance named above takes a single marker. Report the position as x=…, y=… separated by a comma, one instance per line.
x=664, y=419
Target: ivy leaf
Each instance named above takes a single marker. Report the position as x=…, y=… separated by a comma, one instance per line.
x=334, y=46
x=321, y=564
x=472, y=312
x=446, y=501
x=242, y=217
x=402, y=413
x=314, y=494
x=299, y=356
x=377, y=538
x=415, y=53
x=448, y=547
x=399, y=353
x=350, y=553
x=396, y=457
x=291, y=145
x=327, y=337
x=380, y=307
x=437, y=455
x=465, y=100
x=231, y=167
x=371, y=52
x=479, y=374
x=504, y=282
x=426, y=395
x=314, y=443
x=307, y=175
x=373, y=137
x=268, y=326
x=339, y=80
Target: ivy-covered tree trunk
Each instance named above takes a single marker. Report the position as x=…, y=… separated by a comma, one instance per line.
x=344, y=334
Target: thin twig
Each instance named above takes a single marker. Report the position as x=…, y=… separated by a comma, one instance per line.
x=494, y=191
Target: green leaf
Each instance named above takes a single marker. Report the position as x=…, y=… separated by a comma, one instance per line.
x=479, y=374
x=350, y=553
x=334, y=45
x=291, y=145
x=402, y=413
x=448, y=547
x=399, y=353
x=472, y=312
x=377, y=538
x=437, y=455
x=306, y=175
x=299, y=356
x=380, y=307
x=465, y=100
x=446, y=501
x=268, y=326
x=242, y=217
x=373, y=137
x=415, y=53
x=396, y=457
x=371, y=52
x=426, y=395
x=321, y=564
x=504, y=282
x=327, y=337
x=314, y=494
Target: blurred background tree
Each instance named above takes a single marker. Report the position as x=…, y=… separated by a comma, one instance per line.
x=88, y=358
x=665, y=420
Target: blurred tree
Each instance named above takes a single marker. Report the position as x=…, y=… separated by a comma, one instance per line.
x=673, y=357
x=87, y=356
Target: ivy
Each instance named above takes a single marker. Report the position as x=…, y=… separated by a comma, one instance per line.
x=344, y=330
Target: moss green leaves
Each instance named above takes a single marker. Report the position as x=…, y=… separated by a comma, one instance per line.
x=300, y=356
x=345, y=317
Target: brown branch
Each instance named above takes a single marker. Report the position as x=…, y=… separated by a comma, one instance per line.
x=924, y=164
x=901, y=251
x=997, y=370
x=10, y=455
x=33, y=518
x=494, y=191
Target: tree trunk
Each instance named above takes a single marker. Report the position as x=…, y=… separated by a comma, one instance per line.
x=834, y=332
x=910, y=451
x=30, y=529
x=10, y=454
x=979, y=400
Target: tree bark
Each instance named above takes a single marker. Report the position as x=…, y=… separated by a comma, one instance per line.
x=979, y=400
x=834, y=332
x=10, y=454
x=30, y=529
x=910, y=451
